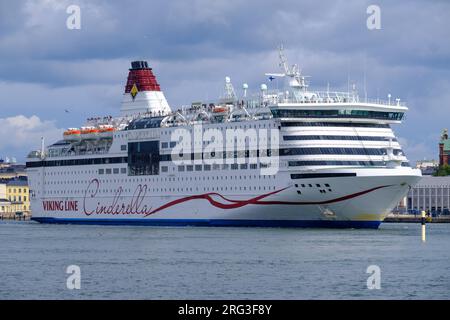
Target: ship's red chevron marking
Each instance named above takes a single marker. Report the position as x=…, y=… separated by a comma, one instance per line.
x=233, y=205
x=349, y=196
x=258, y=200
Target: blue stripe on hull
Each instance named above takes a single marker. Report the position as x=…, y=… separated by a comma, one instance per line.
x=216, y=223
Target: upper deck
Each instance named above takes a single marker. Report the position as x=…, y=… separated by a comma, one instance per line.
x=295, y=102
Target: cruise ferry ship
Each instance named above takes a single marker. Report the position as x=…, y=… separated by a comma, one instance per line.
x=283, y=158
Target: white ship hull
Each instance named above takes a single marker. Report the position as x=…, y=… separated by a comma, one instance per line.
x=361, y=201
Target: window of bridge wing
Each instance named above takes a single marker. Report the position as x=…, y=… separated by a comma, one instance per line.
x=143, y=158
x=341, y=113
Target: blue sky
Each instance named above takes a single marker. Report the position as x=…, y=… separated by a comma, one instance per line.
x=46, y=68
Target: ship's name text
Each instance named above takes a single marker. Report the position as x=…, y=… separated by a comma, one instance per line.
x=54, y=205
x=134, y=205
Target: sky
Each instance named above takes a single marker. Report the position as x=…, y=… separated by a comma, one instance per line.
x=47, y=68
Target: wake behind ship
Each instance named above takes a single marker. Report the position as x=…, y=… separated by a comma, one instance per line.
x=283, y=158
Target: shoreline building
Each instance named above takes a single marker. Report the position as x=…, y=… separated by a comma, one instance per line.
x=431, y=194
x=428, y=167
x=14, y=191
x=4, y=202
x=444, y=148
x=18, y=194
x=14, y=198
x=11, y=170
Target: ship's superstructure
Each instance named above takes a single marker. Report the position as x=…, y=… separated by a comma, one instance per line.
x=278, y=158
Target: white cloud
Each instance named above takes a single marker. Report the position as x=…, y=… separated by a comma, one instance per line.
x=21, y=134
x=38, y=11
x=50, y=102
x=46, y=68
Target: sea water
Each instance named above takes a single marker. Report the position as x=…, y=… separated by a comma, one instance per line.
x=123, y=262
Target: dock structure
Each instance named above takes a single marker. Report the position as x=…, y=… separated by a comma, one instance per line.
x=431, y=194
x=416, y=218
x=15, y=216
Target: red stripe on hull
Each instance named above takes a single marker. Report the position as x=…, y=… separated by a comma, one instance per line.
x=257, y=200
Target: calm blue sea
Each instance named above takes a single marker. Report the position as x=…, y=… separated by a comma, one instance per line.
x=222, y=263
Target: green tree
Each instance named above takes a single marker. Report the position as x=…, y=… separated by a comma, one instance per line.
x=443, y=170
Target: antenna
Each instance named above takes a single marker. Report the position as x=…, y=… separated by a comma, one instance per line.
x=348, y=84
x=354, y=91
x=365, y=86
x=283, y=60
x=229, y=90
x=296, y=81
x=42, y=147
x=328, y=92
x=348, y=78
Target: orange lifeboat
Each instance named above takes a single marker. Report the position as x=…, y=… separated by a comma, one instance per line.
x=72, y=134
x=89, y=133
x=106, y=131
x=220, y=109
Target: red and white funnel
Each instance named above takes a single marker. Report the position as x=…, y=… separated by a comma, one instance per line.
x=142, y=92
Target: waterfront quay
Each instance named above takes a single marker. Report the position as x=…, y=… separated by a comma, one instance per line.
x=15, y=216
x=416, y=218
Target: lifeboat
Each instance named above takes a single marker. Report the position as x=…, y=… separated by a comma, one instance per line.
x=72, y=134
x=89, y=133
x=106, y=131
x=220, y=109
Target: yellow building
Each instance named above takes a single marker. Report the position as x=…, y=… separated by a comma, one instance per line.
x=4, y=202
x=18, y=194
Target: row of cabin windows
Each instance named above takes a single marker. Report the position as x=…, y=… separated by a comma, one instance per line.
x=167, y=179
x=338, y=113
x=334, y=124
x=337, y=151
x=310, y=185
x=165, y=145
x=328, y=137
x=190, y=189
x=112, y=171
x=208, y=167
x=341, y=163
x=282, y=152
x=76, y=162
x=172, y=144
x=245, y=126
x=68, y=172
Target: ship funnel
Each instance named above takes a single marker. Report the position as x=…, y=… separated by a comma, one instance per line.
x=142, y=92
x=139, y=65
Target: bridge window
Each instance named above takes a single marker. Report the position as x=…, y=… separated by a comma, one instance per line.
x=143, y=158
x=341, y=113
